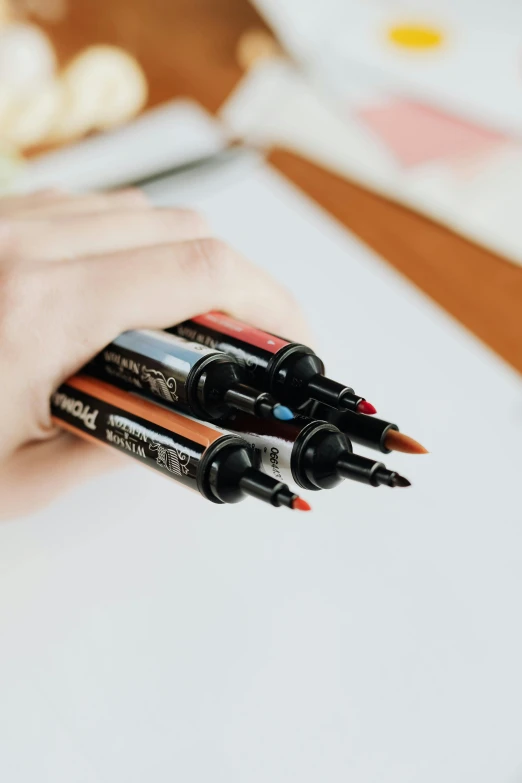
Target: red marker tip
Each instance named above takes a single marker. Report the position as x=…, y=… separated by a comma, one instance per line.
x=301, y=505
x=366, y=407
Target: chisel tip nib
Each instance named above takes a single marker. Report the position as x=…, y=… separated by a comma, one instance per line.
x=400, y=481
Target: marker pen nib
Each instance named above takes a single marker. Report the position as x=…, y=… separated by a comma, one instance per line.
x=335, y=395
x=301, y=505
x=398, y=441
x=354, y=403
x=249, y=400
x=368, y=471
x=282, y=413
x=263, y=487
x=366, y=407
x=390, y=478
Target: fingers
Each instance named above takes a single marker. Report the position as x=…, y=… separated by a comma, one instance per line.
x=52, y=207
x=66, y=237
x=55, y=317
x=158, y=287
x=37, y=473
x=12, y=204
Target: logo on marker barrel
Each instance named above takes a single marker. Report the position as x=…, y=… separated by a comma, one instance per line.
x=160, y=385
x=76, y=408
x=173, y=460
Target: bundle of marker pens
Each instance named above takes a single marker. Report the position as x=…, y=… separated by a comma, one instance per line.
x=230, y=411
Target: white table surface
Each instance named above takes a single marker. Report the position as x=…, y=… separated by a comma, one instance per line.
x=146, y=635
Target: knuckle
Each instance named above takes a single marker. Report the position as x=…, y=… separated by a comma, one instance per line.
x=190, y=221
x=212, y=259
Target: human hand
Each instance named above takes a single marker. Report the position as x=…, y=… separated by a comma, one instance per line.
x=76, y=271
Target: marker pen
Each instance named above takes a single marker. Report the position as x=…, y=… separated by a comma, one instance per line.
x=222, y=467
x=369, y=431
x=199, y=381
x=292, y=372
x=313, y=454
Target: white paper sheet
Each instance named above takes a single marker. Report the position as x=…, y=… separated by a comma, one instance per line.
x=274, y=105
x=147, y=635
x=473, y=73
x=167, y=136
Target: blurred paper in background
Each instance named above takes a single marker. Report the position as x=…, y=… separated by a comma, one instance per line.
x=421, y=102
x=461, y=55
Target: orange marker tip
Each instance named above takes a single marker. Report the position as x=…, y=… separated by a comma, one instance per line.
x=301, y=505
x=398, y=441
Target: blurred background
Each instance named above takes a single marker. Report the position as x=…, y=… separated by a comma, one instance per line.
x=403, y=119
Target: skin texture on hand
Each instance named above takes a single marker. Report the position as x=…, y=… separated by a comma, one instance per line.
x=75, y=272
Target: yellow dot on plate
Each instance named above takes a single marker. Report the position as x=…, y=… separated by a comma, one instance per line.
x=414, y=36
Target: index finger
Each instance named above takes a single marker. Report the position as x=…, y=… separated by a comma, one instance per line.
x=174, y=282
x=158, y=287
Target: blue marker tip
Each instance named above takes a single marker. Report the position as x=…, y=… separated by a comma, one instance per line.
x=282, y=413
